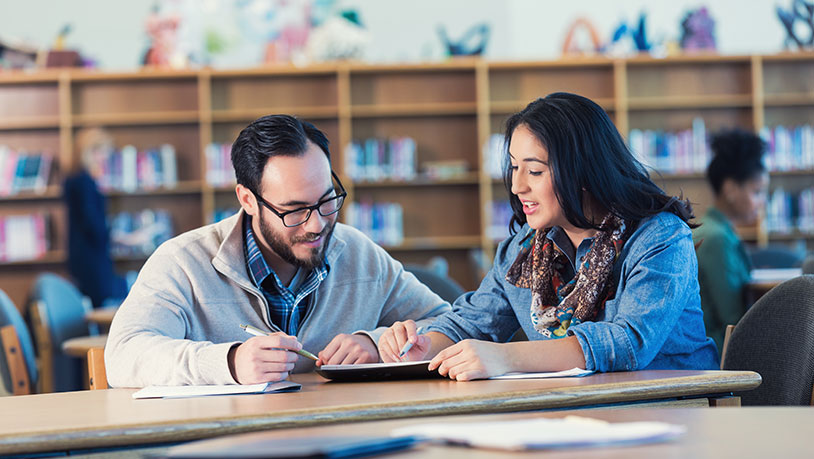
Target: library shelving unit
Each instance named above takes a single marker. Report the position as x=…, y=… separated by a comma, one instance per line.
x=449, y=109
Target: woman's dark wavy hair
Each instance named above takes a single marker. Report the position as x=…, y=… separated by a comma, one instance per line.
x=586, y=152
x=738, y=156
x=271, y=135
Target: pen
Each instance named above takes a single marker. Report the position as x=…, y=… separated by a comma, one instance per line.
x=408, y=345
x=257, y=332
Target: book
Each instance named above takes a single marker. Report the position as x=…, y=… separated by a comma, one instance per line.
x=208, y=390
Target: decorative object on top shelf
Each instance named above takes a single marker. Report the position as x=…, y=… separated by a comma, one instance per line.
x=786, y=212
x=58, y=56
x=698, y=31
x=572, y=44
x=799, y=16
x=338, y=38
x=130, y=170
x=789, y=149
x=219, y=170
x=24, y=237
x=17, y=55
x=378, y=159
x=162, y=31
x=627, y=40
x=381, y=222
x=679, y=152
x=139, y=233
x=472, y=43
x=22, y=172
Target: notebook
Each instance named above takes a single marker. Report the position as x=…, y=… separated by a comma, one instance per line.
x=229, y=389
x=573, y=372
x=543, y=433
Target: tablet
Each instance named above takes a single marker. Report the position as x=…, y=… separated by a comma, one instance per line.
x=378, y=371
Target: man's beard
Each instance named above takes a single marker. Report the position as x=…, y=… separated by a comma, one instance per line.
x=283, y=248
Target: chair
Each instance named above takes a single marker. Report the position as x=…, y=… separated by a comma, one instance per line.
x=437, y=280
x=775, y=257
x=808, y=265
x=18, y=349
x=776, y=339
x=97, y=375
x=58, y=311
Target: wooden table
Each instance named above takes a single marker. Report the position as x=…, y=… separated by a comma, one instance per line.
x=711, y=433
x=79, y=346
x=108, y=418
x=102, y=316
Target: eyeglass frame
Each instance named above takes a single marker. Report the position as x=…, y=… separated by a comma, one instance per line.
x=341, y=195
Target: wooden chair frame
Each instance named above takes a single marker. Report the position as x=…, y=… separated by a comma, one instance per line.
x=15, y=360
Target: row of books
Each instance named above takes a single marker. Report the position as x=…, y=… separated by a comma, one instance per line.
x=139, y=233
x=672, y=152
x=24, y=237
x=219, y=170
x=23, y=172
x=498, y=229
x=494, y=155
x=131, y=169
x=382, y=222
x=381, y=159
x=787, y=212
x=789, y=148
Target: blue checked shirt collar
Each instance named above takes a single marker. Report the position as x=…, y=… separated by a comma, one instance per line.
x=286, y=308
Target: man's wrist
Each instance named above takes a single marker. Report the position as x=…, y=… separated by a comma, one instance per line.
x=230, y=360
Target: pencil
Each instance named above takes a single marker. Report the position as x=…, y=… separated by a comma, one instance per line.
x=408, y=345
x=257, y=332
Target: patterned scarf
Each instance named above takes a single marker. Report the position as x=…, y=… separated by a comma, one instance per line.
x=555, y=304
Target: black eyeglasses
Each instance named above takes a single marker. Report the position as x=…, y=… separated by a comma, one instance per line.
x=299, y=216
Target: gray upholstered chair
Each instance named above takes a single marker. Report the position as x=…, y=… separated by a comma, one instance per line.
x=808, y=265
x=776, y=339
x=434, y=276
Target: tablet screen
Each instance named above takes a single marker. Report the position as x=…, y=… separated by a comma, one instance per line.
x=378, y=371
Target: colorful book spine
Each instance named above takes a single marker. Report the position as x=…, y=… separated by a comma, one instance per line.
x=24, y=237
x=374, y=160
x=381, y=222
x=679, y=152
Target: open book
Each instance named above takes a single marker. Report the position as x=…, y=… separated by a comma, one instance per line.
x=229, y=389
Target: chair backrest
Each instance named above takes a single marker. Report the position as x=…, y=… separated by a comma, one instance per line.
x=776, y=339
x=9, y=315
x=775, y=257
x=808, y=265
x=442, y=285
x=58, y=312
x=12, y=364
x=97, y=375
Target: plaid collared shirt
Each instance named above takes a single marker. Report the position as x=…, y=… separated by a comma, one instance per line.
x=286, y=308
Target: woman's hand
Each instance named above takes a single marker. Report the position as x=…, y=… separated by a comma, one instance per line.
x=472, y=359
x=394, y=338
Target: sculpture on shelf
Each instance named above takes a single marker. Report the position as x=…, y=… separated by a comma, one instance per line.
x=338, y=37
x=698, y=31
x=571, y=45
x=162, y=30
x=798, y=22
x=629, y=40
x=472, y=43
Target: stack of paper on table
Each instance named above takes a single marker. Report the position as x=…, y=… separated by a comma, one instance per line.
x=230, y=389
x=573, y=372
x=544, y=433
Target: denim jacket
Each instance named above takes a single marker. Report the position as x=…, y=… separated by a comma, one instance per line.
x=654, y=321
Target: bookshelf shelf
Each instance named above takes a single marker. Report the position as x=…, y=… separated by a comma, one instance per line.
x=50, y=193
x=438, y=243
x=22, y=123
x=467, y=179
x=192, y=187
x=49, y=258
x=693, y=102
x=134, y=119
x=426, y=109
x=237, y=115
x=789, y=100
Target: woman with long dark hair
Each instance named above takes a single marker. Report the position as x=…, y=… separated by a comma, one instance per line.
x=599, y=272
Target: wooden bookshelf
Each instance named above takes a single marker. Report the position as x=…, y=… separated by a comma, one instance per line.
x=450, y=109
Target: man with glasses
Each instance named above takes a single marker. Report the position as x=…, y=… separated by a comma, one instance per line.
x=282, y=265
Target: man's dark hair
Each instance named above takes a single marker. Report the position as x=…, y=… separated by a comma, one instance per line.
x=271, y=135
x=738, y=156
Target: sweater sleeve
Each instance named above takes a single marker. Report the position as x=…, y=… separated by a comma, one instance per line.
x=147, y=344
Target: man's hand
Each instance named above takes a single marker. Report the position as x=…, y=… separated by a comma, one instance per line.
x=263, y=358
x=348, y=349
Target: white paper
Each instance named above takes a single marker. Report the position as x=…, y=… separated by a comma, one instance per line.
x=361, y=366
x=199, y=391
x=543, y=433
x=775, y=275
x=573, y=372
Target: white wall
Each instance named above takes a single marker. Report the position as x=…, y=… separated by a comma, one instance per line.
x=111, y=31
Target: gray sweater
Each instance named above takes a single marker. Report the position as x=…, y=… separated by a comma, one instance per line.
x=183, y=313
